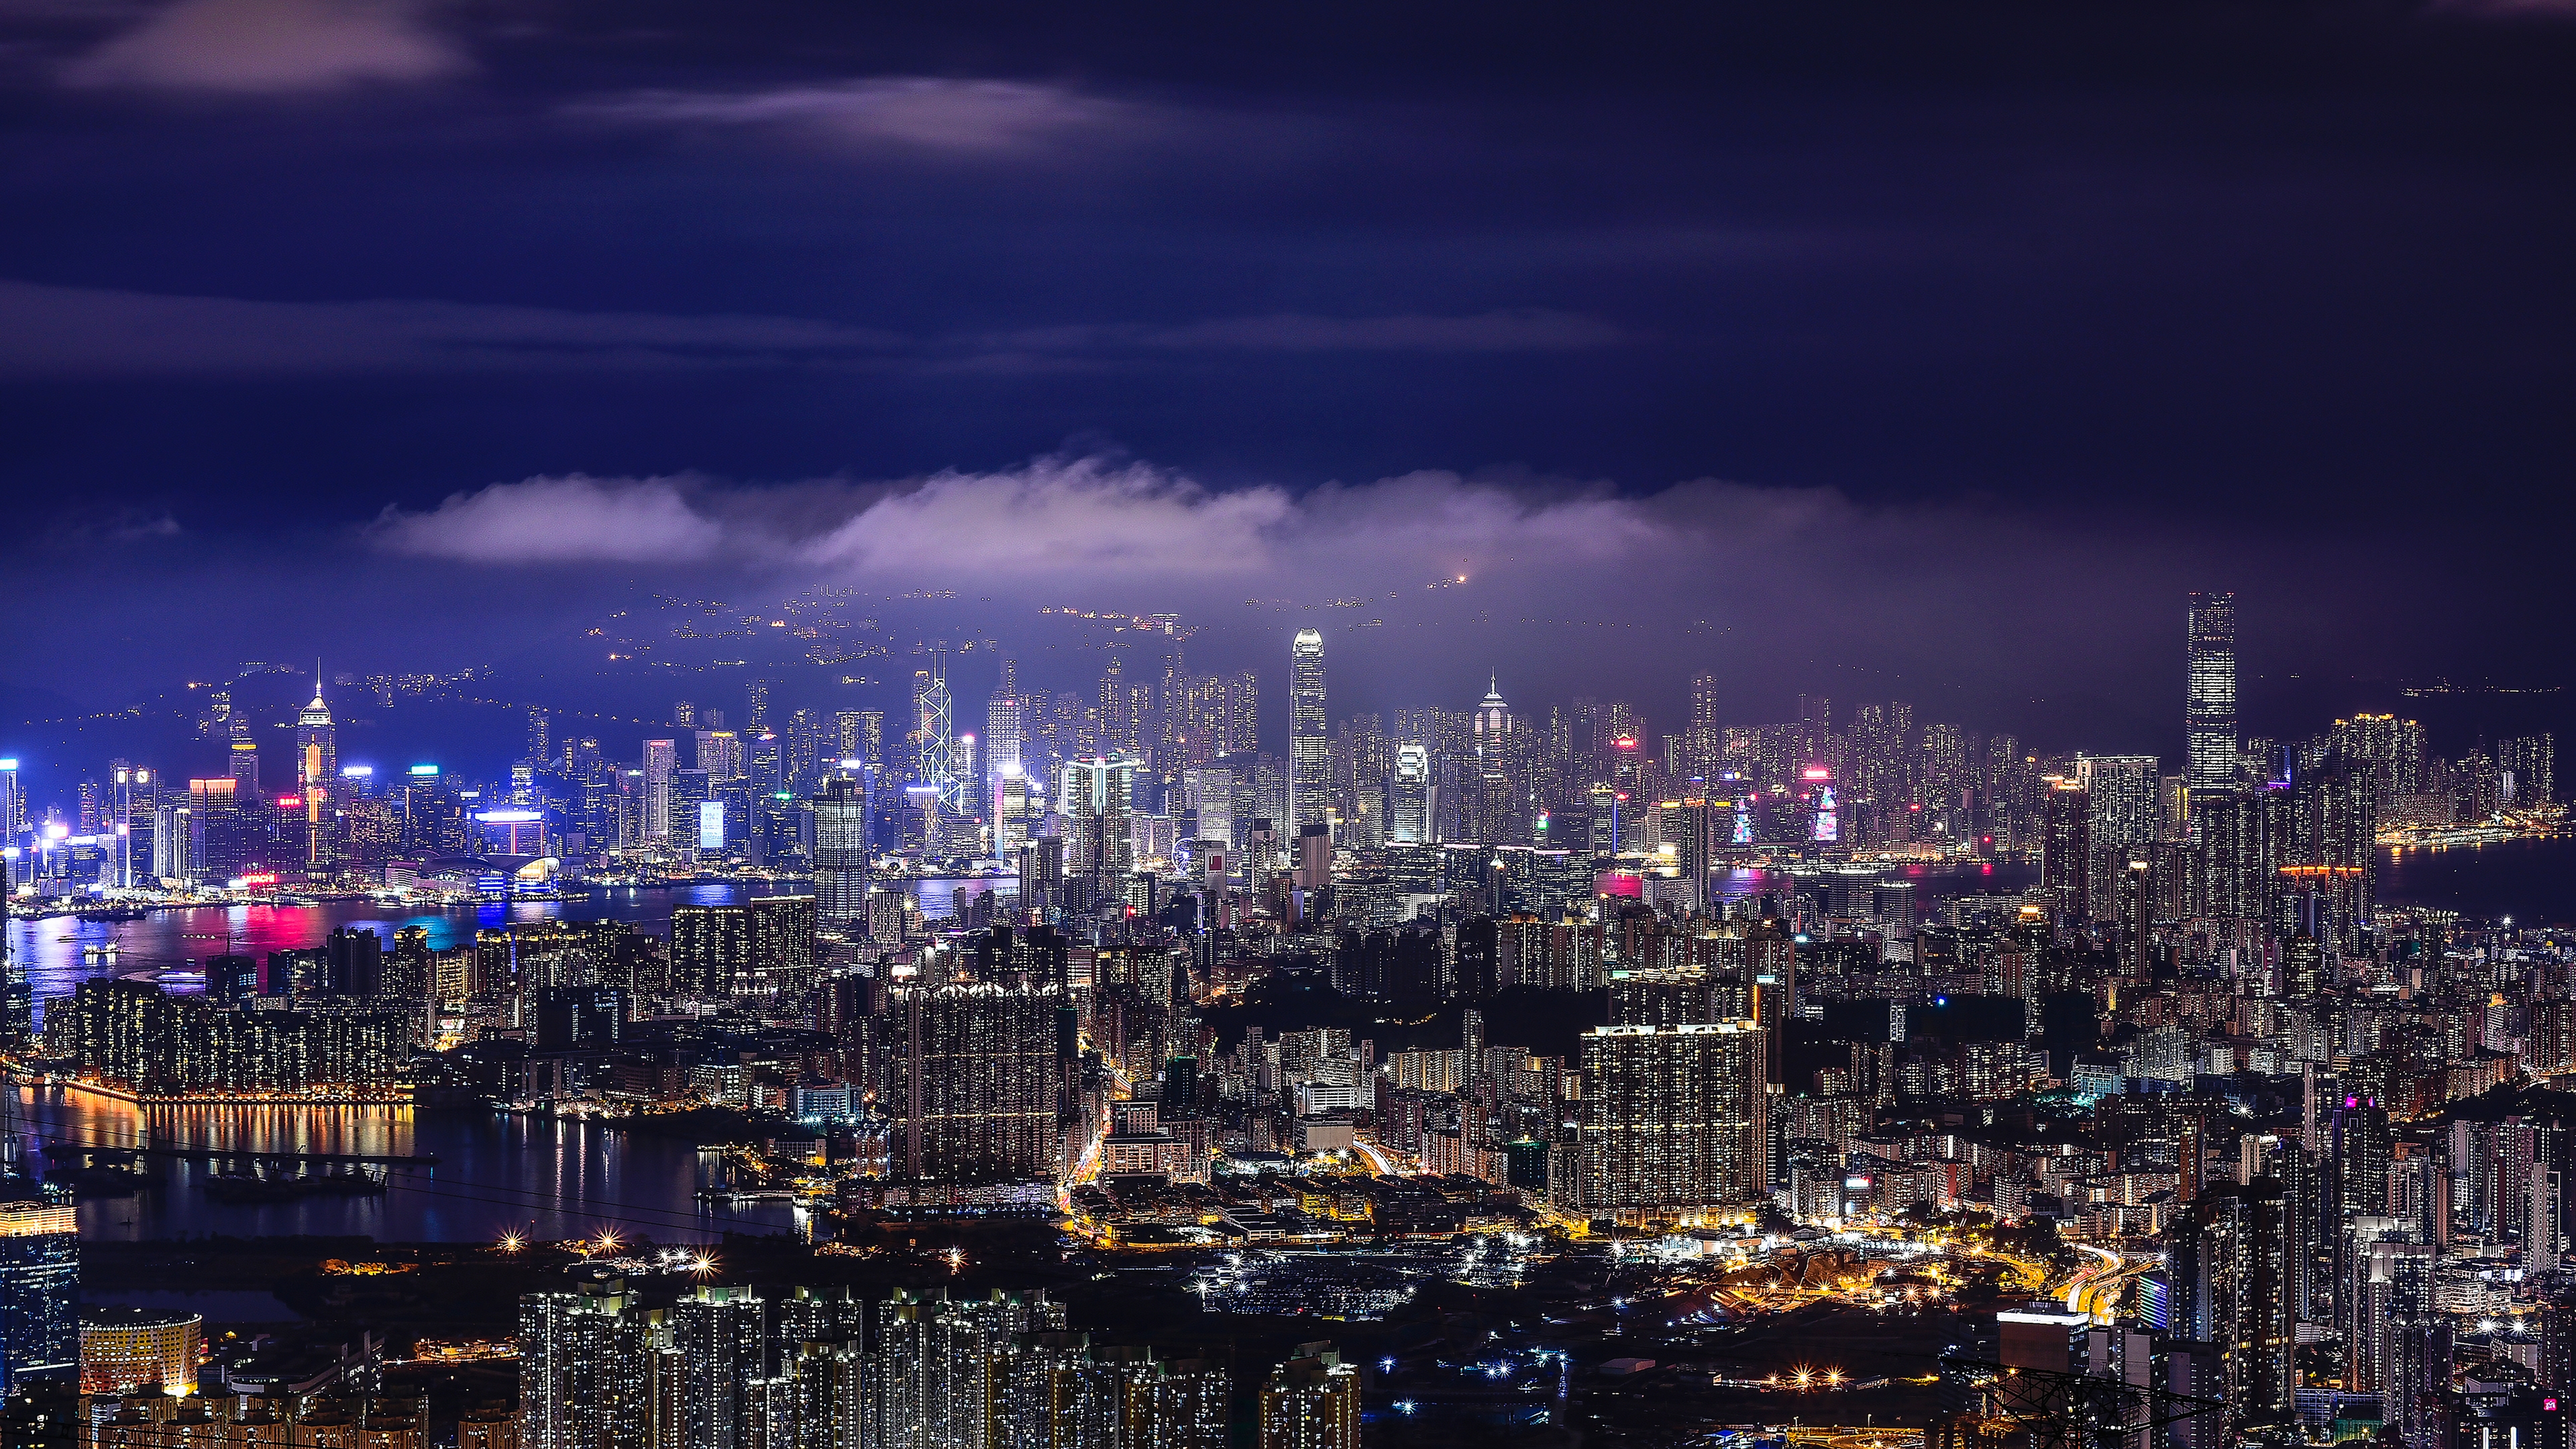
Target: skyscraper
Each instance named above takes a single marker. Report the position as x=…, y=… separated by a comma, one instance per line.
x=317, y=746
x=661, y=761
x=1310, y=748
x=39, y=1290
x=934, y=744
x=586, y=1365
x=1004, y=727
x=2066, y=848
x=841, y=856
x=2209, y=712
x=1409, y=804
x=1673, y=1123
x=973, y=1078
x=1096, y=796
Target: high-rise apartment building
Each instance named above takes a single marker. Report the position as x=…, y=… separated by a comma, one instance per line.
x=1673, y=1121
x=2066, y=847
x=974, y=1077
x=588, y=1364
x=1311, y=1402
x=763, y=945
x=1310, y=746
x=2209, y=711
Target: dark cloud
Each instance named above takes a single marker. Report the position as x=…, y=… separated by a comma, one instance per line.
x=271, y=47
x=932, y=114
x=72, y=331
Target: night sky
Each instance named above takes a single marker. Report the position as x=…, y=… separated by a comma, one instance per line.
x=1927, y=351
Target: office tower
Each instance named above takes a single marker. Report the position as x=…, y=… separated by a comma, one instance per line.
x=244, y=767
x=39, y=1289
x=764, y=945
x=973, y=1080
x=661, y=761
x=755, y=714
x=1311, y=1402
x=540, y=737
x=1004, y=727
x=720, y=755
x=1096, y=797
x=2209, y=712
x=317, y=748
x=691, y=794
x=933, y=735
x=1491, y=722
x=13, y=801
x=218, y=841
x=586, y=1369
x=1310, y=749
x=1208, y=790
x=2066, y=848
x=1409, y=801
x=841, y=856
x=1673, y=1123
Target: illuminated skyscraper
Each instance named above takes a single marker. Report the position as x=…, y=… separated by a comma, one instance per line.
x=244, y=766
x=1493, y=721
x=661, y=761
x=2209, y=715
x=1004, y=727
x=317, y=747
x=1673, y=1121
x=720, y=755
x=39, y=1290
x=934, y=742
x=841, y=856
x=1310, y=748
x=1096, y=797
x=540, y=737
x=973, y=1077
x=2066, y=848
x=586, y=1362
x=1409, y=803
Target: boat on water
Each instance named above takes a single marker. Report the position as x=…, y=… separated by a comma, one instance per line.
x=238, y=1187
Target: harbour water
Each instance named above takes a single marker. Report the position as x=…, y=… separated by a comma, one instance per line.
x=496, y=1173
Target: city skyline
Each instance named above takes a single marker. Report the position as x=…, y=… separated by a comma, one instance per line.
x=1776, y=726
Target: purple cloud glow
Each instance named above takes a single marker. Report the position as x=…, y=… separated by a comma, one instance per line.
x=262, y=47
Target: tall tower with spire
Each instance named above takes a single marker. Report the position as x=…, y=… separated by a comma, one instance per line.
x=317, y=771
x=1493, y=718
